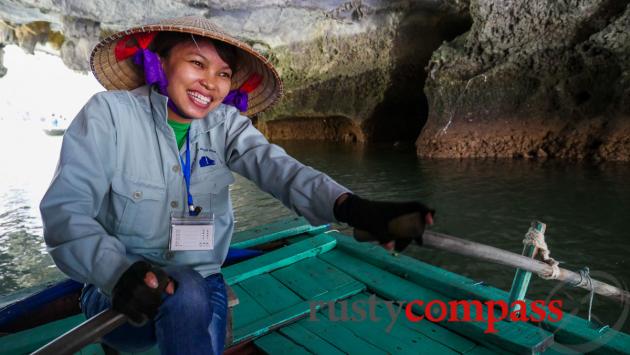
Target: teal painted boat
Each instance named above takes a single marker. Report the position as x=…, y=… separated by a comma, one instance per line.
x=318, y=291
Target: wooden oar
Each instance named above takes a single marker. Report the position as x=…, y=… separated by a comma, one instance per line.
x=500, y=256
x=409, y=224
x=83, y=334
x=93, y=329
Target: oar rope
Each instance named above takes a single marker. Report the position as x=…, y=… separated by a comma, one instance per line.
x=585, y=276
x=536, y=238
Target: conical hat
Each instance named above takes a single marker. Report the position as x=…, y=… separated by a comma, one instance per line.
x=125, y=75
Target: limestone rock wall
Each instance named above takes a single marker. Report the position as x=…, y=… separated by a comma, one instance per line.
x=533, y=79
x=505, y=78
x=353, y=70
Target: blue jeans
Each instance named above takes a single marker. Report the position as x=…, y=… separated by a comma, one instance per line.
x=191, y=321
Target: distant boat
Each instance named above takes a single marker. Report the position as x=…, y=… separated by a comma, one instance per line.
x=56, y=126
x=55, y=131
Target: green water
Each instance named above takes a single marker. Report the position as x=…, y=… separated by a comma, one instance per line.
x=489, y=201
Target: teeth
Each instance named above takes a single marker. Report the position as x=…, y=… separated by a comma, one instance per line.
x=204, y=100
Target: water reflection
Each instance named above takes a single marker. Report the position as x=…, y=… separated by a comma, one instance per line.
x=494, y=201
x=23, y=258
x=488, y=201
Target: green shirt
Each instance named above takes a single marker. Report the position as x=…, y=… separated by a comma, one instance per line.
x=180, y=130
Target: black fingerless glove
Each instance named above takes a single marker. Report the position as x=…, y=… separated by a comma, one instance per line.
x=134, y=298
x=402, y=222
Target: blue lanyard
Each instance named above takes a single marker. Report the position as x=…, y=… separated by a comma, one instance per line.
x=186, y=169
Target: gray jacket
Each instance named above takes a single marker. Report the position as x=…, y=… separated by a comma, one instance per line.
x=119, y=178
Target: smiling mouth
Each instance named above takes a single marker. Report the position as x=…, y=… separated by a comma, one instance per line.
x=198, y=98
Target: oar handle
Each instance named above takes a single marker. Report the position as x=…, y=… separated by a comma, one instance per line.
x=504, y=257
x=83, y=334
x=499, y=256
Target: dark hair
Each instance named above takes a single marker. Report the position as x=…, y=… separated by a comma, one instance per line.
x=165, y=41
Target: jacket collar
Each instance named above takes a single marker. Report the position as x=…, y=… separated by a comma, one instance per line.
x=197, y=127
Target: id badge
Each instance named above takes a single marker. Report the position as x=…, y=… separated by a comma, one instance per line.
x=191, y=232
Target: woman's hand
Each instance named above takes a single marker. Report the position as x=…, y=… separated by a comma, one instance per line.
x=151, y=280
x=393, y=224
x=391, y=245
x=138, y=292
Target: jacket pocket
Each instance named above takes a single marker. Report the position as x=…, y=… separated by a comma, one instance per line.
x=135, y=206
x=210, y=190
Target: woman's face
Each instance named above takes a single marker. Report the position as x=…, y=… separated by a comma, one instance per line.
x=198, y=79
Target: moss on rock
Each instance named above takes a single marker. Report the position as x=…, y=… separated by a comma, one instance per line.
x=56, y=39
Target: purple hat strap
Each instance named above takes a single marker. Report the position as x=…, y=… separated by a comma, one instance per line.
x=154, y=75
x=237, y=99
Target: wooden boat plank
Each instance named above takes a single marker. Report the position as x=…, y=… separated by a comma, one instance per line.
x=270, y=293
x=341, y=337
x=278, y=258
x=375, y=332
x=325, y=274
x=300, y=282
x=247, y=311
x=291, y=314
x=441, y=335
x=274, y=231
x=309, y=340
x=558, y=349
x=405, y=329
x=272, y=296
x=481, y=350
x=312, y=277
x=515, y=337
x=571, y=330
x=274, y=343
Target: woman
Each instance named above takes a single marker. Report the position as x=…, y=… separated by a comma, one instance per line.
x=139, y=206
